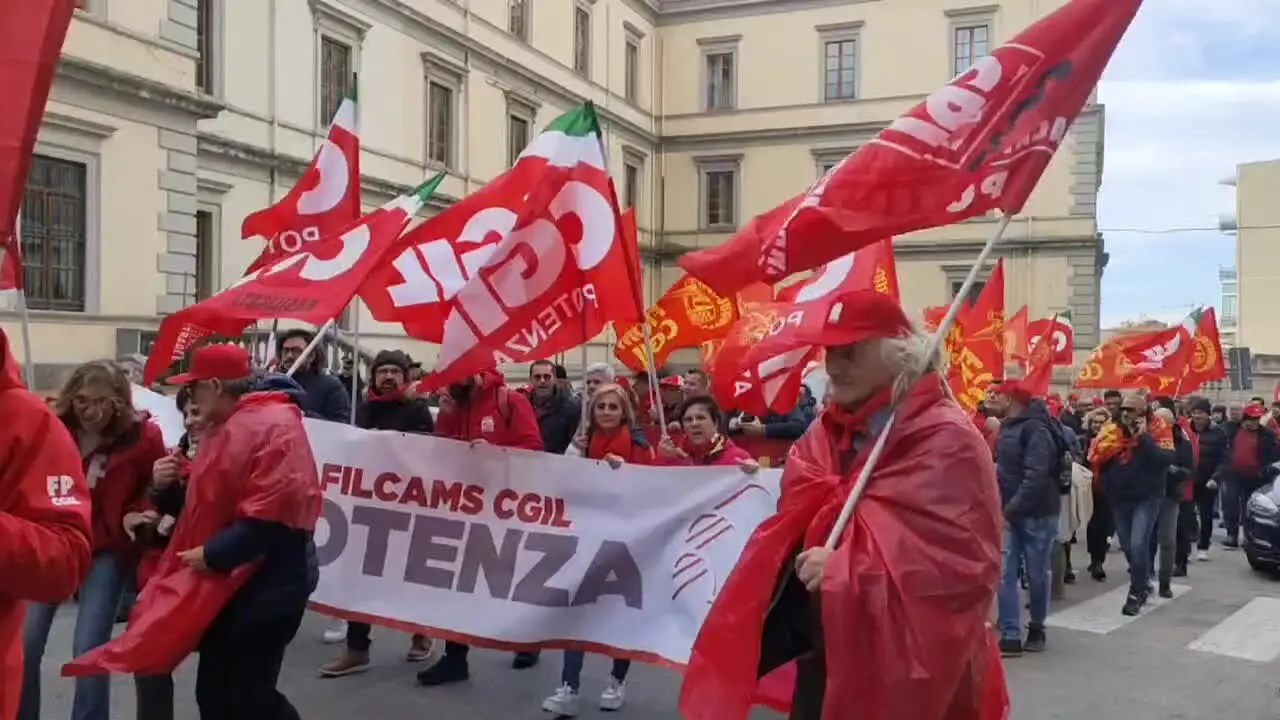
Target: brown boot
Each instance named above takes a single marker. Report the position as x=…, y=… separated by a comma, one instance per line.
x=351, y=662
x=420, y=648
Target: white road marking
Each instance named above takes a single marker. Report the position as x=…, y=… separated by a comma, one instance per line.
x=1101, y=615
x=1250, y=633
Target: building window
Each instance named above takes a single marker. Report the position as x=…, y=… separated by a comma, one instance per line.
x=632, y=70
x=518, y=128
x=206, y=47
x=719, y=195
x=206, y=259
x=582, y=41
x=974, y=291
x=54, y=234
x=440, y=125
x=840, y=69
x=518, y=18
x=631, y=184
x=721, y=76
x=336, y=70
x=972, y=43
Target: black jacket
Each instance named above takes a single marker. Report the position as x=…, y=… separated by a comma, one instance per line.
x=1141, y=476
x=558, y=420
x=1182, y=470
x=326, y=399
x=402, y=414
x=777, y=426
x=1028, y=454
x=1213, y=452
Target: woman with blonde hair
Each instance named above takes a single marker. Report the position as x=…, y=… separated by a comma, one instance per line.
x=611, y=435
x=118, y=448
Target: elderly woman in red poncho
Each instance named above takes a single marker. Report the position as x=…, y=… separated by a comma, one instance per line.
x=892, y=624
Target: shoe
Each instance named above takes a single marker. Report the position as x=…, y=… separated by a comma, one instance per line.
x=1231, y=544
x=445, y=672
x=524, y=660
x=563, y=702
x=614, y=695
x=1179, y=570
x=1035, y=641
x=419, y=649
x=1069, y=578
x=350, y=663
x=1166, y=591
x=336, y=634
x=1132, y=605
x=1010, y=647
x=1202, y=556
x=1097, y=573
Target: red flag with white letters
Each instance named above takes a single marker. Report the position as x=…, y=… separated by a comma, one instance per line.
x=980, y=143
x=325, y=200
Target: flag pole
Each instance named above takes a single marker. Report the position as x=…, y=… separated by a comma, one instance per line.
x=310, y=349
x=931, y=349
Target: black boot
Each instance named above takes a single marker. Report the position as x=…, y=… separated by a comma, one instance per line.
x=1166, y=589
x=1180, y=570
x=1097, y=573
x=450, y=669
x=524, y=660
x=1010, y=647
x=1035, y=641
x=1132, y=605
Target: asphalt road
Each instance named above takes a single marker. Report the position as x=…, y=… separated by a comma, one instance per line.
x=1210, y=652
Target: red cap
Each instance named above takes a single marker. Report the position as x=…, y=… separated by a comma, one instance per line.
x=215, y=362
x=671, y=381
x=1097, y=401
x=1253, y=410
x=864, y=315
x=1016, y=390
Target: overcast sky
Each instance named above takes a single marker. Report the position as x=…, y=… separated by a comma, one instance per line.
x=1193, y=90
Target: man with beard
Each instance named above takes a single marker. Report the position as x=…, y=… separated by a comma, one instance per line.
x=385, y=407
x=558, y=412
x=482, y=410
x=326, y=397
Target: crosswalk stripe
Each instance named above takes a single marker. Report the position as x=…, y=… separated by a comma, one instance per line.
x=1101, y=615
x=1250, y=633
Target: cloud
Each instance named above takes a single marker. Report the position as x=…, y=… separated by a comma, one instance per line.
x=1191, y=92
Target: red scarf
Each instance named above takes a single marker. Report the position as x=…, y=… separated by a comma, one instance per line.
x=844, y=426
x=393, y=396
x=613, y=441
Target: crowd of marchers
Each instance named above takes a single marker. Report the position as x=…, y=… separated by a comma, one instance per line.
x=137, y=490
x=1159, y=473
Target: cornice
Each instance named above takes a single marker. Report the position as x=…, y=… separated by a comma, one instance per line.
x=674, y=12
x=146, y=90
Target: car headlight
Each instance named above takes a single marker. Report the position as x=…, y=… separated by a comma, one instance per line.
x=1260, y=504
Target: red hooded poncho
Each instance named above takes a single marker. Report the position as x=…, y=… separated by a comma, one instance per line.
x=255, y=464
x=907, y=593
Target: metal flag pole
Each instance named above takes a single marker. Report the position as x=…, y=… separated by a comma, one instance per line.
x=873, y=458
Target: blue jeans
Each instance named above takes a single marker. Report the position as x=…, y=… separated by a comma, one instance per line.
x=1031, y=542
x=95, y=617
x=1134, y=522
x=571, y=675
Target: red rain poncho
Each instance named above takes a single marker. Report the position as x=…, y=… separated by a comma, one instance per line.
x=256, y=464
x=906, y=595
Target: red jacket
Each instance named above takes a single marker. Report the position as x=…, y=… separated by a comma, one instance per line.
x=118, y=477
x=493, y=413
x=44, y=517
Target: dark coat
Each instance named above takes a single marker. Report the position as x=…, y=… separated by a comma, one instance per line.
x=1141, y=476
x=1028, y=454
x=1213, y=453
x=558, y=420
x=401, y=414
x=1182, y=470
x=326, y=397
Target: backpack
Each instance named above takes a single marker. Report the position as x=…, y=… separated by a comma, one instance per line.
x=1064, y=463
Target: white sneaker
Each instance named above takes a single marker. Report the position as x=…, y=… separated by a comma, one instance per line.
x=563, y=702
x=336, y=633
x=614, y=695
x=1202, y=555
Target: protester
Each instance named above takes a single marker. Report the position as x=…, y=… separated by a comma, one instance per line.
x=559, y=413
x=773, y=426
x=117, y=447
x=1218, y=414
x=152, y=530
x=905, y=596
x=597, y=374
x=611, y=435
x=1171, y=547
x=696, y=382
x=483, y=411
x=1133, y=464
x=1101, y=523
x=701, y=442
x=1111, y=400
x=45, y=527
x=1209, y=451
x=326, y=397
x=1029, y=457
x=386, y=407
x=807, y=405
x=1246, y=467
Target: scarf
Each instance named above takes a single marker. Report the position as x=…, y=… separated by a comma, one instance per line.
x=1110, y=442
x=393, y=396
x=846, y=425
x=610, y=441
x=707, y=452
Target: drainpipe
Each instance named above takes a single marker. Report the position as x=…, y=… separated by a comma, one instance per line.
x=657, y=101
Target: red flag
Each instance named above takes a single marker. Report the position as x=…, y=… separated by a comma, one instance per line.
x=1062, y=334
x=312, y=286
x=325, y=201
x=1016, y=343
x=975, y=347
x=978, y=144
x=558, y=271
x=31, y=35
x=1040, y=364
x=1206, y=359
x=933, y=316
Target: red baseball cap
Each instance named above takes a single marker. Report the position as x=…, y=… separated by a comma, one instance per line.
x=215, y=362
x=1253, y=410
x=671, y=381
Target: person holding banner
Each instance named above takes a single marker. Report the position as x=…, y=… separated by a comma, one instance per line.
x=482, y=410
x=45, y=534
x=702, y=443
x=892, y=623
x=612, y=436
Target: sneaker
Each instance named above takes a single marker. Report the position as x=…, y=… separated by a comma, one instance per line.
x=1132, y=605
x=1010, y=647
x=1069, y=578
x=614, y=695
x=1035, y=641
x=336, y=633
x=1202, y=556
x=445, y=672
x=420, y=648
x=563, y=702
x=350, y=663
x=1097, y=573
x=524, y=660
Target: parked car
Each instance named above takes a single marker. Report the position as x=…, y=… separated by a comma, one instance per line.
x=1261, y=524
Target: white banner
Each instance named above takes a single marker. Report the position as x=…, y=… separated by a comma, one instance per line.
x=510, y=548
